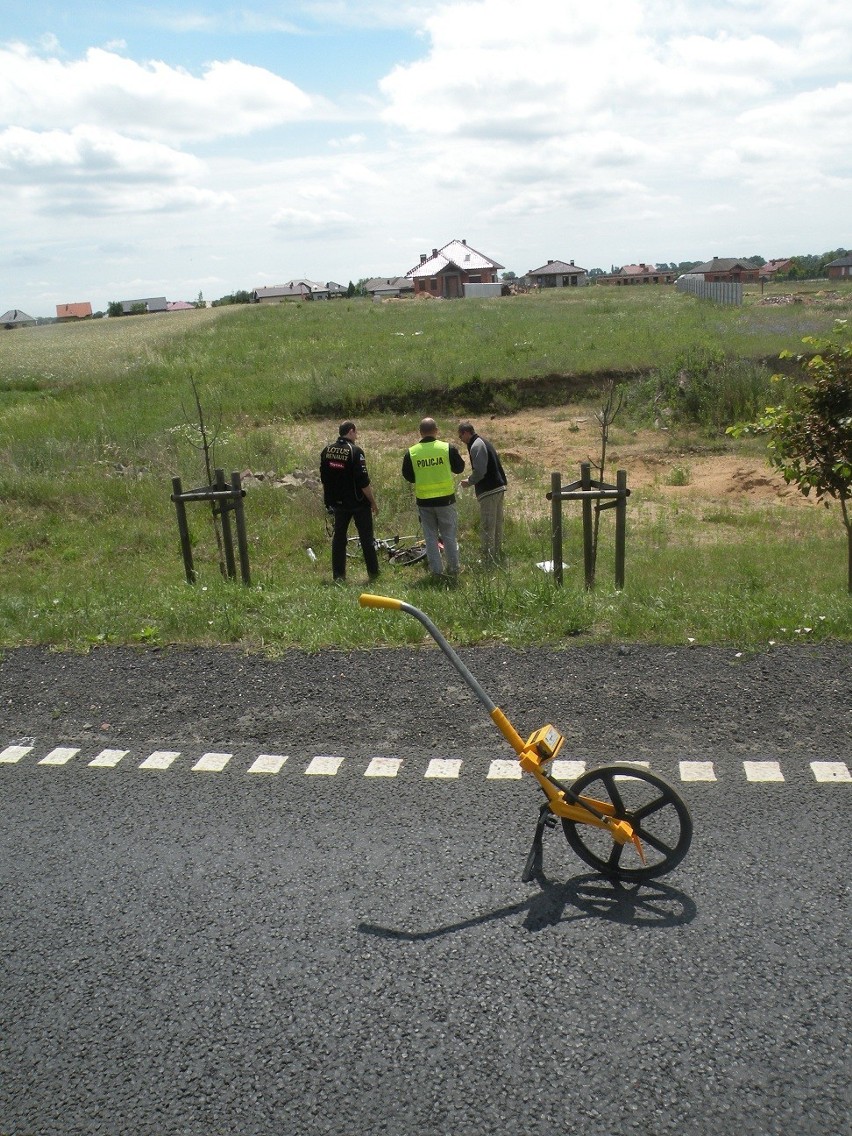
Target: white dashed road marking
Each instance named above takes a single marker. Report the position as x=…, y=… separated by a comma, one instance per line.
x=212, y=762
x=267, y=763
x=763, y=771
x=567, y=770
x=697, y=771
x=383, y=767
x=59, y=756
x=443, y=767
x=108, y=758
x=160, y=759
x=438, y=768
x=11, y=754
x=501, y=770
x=324, y=766
x=831, y=771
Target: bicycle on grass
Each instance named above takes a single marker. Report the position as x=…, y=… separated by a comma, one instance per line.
x=634, y=827
x=401, y=551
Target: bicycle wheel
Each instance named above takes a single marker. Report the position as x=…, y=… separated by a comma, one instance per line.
x=411, y=555
x=658, y=815
x=353, y=548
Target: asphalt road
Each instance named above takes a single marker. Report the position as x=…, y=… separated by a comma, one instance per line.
x=204, y=953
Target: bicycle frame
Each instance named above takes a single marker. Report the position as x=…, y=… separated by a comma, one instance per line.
x=533, y=753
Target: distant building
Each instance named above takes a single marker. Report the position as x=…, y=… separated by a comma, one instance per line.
x=16, y=318
x=388, y=287
x=66, y=312
x=179, y=306
x=637, y=274
x=297, y=290
x=773, y=269
x=721, y=270
x=839, y=269
x=445, y=273
x=151, y=304
x=557, y=274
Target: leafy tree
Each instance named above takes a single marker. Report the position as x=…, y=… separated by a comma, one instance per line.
x=238, y=297
x=810, y=438
x=114, y=308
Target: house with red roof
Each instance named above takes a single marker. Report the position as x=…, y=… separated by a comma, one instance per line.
x=444, y=274
x=66, y=312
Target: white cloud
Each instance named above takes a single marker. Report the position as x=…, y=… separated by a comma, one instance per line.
x=314, y=223
x=151, y=100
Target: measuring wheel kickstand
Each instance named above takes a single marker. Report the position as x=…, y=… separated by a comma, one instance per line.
x=612, y=817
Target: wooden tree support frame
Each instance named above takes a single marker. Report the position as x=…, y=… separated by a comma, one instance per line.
x=602, y=496
x=225, y=498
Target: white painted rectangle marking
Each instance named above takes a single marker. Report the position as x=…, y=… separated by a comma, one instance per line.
x=268, y=763
x=108, y=758
x=324, y=766
x=383, y=767
x=501, y=769
x=211, y=762
x=59, y=756
x=11, y=754
x=160, y=759
x=763, y=771
x=567, y=770
x=825, y=771
x=697, y=771
x=443, y=767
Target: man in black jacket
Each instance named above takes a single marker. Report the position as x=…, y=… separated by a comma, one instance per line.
x=349, y=496
x=489, y=484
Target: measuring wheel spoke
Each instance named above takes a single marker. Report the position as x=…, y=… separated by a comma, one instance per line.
x=659, y=818
x=651, y=807
x=649, y=838
x=608, y=780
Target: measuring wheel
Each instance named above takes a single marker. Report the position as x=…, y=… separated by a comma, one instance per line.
x=406, y=556
x=659, y=818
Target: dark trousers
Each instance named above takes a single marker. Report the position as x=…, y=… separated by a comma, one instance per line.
x=363, y=519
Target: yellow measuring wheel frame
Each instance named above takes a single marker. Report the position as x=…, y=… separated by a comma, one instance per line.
x=625, y=826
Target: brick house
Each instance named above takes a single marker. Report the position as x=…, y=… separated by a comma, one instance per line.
x=722, y=270
x=556, y=274
x=445, y=273
x=840, y=269
x=773, y=269
x=73, y=311
x=638, y=274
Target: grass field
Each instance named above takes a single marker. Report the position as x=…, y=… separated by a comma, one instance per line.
x=96, y=418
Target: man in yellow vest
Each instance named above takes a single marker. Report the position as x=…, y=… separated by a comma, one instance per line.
x=430, y=466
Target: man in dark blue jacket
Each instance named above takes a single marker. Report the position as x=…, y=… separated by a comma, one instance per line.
x=489, y=484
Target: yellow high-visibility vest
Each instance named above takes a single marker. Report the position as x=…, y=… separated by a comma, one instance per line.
x=432, y=474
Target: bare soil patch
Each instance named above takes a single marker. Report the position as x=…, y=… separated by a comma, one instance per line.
x=555, y=440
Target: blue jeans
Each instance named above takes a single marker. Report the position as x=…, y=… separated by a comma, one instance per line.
x=440, y=521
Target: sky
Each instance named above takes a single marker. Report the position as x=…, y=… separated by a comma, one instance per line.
x=160, y=149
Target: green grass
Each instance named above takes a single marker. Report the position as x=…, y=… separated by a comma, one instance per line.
x=95, y=419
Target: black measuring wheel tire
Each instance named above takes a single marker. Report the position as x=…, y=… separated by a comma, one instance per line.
x=659, y=817
x=411, y=555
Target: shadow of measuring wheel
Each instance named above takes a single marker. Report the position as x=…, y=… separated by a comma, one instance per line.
x=650, y=904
